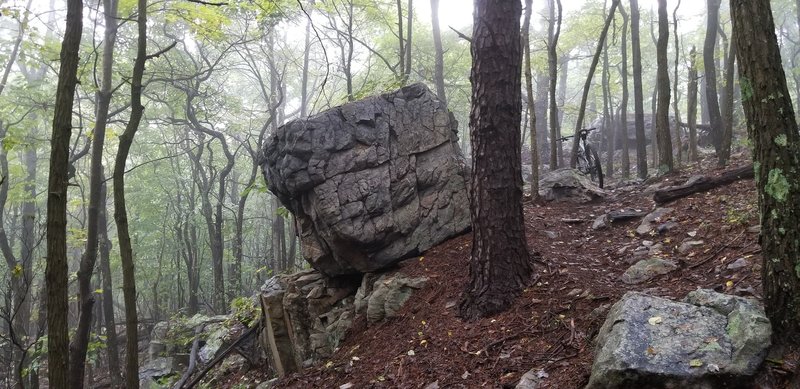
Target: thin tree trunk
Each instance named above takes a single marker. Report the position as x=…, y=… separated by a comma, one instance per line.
x=306, y=55
x=553, y=31
x=409, y=24
x=57, y=272
x=85, y=292
x=638, y=93
x=120, y=210
x=691, y=105
x=675, y=109
x=438, y=67
x=727, y=104
x=108, y=296
x=712, y=101
x=401, y=47
x=665, y=162
x=588, y=84
x=526, y=48
x=623, y=117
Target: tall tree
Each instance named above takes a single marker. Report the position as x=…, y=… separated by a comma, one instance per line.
x=553, y=31
x=120, y=210
x=500, y=265
x=623, y=105
x=710, y=74
x=638, y=93
x=438, y=67
x=56, y=272
x=526, y=47
x=85, y=291
x=776, y=153
x=663, y=138
x=588, y=84
x=727, y=105
x=676, y=111
x=691, y=105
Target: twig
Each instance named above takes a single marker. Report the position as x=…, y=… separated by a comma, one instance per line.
x=716, y=252
x=222, y=356
x=461, y=35
x=192, y=357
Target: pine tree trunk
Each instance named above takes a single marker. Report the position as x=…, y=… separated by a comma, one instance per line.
x=554, y=30
x=710, y=77
x=623, y=117
x=534, y=181
x=500, y=265
x=691, y=105
x=438, y=67
x=638, y=93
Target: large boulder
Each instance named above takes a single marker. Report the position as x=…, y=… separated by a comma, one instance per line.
x=371, y=182
x=570, y=185
x=710, y=340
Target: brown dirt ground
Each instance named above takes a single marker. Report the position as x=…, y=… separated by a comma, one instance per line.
x=552, y=323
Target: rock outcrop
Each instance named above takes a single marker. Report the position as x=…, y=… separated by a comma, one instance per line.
x=371, y=182
x=308, y=314
x=710, y=340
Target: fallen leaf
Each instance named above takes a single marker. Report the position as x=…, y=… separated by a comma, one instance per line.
x=411, y=353
x=655, y=320
x=695, y=363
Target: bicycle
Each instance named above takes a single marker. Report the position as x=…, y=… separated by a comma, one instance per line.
x=587, y=160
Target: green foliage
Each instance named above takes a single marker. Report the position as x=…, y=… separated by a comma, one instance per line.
x=245, y=310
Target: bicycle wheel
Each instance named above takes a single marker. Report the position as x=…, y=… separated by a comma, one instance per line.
x=595, y=167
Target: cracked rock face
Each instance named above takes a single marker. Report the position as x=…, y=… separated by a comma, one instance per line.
x=709, y=340
x=371, y=182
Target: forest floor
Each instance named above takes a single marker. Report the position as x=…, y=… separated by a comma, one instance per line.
x=551, y=326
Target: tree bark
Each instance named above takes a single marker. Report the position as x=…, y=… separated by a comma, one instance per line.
x=56, y=272
x=663, y=138
x=691, y=105
x=526, y=47
x=553, y=31
x=638, y=93
x=108, y=296
x=702, y=184
x=588, y=84
x=85, y=292
x=623, y=107
x=120, y=210
x=676, y=111
x=306, y=55
x=776, y=151
x=709, y=64
x=500, y=265
x=727, y=105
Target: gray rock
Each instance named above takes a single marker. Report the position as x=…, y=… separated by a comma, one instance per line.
x=687, y=245
x=666, y=227
x=154, y=374
x=570, y=185
x=738, y=264
x=371, y=182
x=709, y=341
x=531, y=380
x=647, y=222
x=600, y=222
x=389, y=294
x=647, y=269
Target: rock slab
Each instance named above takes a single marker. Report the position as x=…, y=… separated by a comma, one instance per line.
x=569, y=185
x=710, y=340
x=371, y=182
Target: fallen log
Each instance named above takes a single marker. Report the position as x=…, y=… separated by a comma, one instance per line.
x=702, y=184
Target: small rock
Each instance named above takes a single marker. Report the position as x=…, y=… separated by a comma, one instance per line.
x=531, y=380
x=450, y=304
x=647, y=243
x=756, y=229
x=571, y=220
x=647, y=222
x=433, y=385
x=346, y=386
x=692, y=234
x=574, y=292
x=688, y=245
x=738, y=264
x=599, y=222
x=551, y=234
x=647, y=269
x=656, y=249
x=664, y=227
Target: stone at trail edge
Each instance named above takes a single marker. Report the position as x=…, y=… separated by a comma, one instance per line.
x=647, y=269
x=647, y=222
x=569, y=185
x=371, y=182
x=707, y=341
